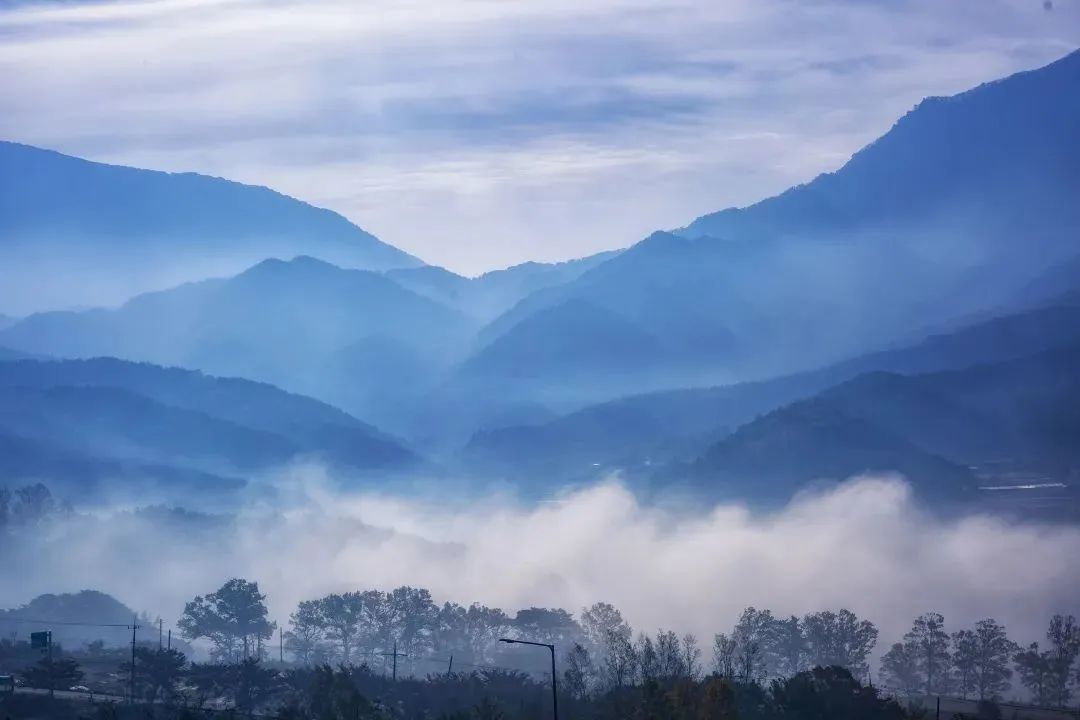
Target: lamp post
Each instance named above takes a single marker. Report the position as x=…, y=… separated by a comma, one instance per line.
x=554, y=684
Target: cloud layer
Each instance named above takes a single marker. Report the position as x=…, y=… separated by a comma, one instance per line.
x=477, y=133
x=863, y=545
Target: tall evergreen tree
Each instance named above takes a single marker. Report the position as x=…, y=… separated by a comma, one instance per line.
x=928, y=636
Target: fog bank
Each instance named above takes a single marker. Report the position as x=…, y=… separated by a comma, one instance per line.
x=865, y=545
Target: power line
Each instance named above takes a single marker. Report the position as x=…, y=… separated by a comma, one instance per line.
x=29, y=621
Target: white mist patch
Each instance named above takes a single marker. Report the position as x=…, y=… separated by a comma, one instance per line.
x=864, y=545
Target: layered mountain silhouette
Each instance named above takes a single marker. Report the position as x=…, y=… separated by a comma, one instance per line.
x=103, y=233
x=811, y=443
x=755, y=351
x=306, y=325
x=583, y=340
x=933, y=428
x=636, y=432
x=1057, y=285
x=491, y=294
x=92, y=423
x=92, y=478
x=956, y=209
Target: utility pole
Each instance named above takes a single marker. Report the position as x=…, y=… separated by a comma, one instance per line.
x=52, y=673
x=134, y=627
x=450, y=669
x=395, y=655
x=170, y=638
x=159, y=623
x=280, y=647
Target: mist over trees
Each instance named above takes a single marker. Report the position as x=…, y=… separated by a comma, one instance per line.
x=1049, y=673
x=233, y=618
x=28, y=505
x=599, y=651
x=397, y=653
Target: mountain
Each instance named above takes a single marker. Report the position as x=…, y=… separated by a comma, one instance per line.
x=1058, y=284
x=9, y=354
x=934, y=428
x=1023, y=409
x=637, y=431
x=304, y=325
x=1007, y=147
x=90, y=478
x=664, y=284
x=89, y=422
x=489, y=295
x=496, y=291
x=787, y=451
x=103, y=233
x=243, y=402
x=663, y=303
x=962, y=203
x=436, y=283
x=113, y=422
x=69, y=612
x=579, y=338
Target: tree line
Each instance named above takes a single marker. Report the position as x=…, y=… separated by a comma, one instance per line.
x=599, y=650
x=28, y=505
x=170, y=688
x=981, y=661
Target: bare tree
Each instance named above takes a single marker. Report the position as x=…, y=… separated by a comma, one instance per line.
x=648, y=660
x=610, y=636
x=753, y=636
x=692, y=655
x=600, y=620
x=839, y=638
x=620, y=660
x=578, y=673
x=724, y=650
x=669, y=655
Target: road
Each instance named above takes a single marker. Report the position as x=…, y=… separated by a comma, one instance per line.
x=70, y=695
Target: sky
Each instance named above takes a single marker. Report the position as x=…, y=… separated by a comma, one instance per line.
x=481, y=133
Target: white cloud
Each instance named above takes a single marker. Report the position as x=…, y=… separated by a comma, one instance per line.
x=478, y=133
x=865, y=545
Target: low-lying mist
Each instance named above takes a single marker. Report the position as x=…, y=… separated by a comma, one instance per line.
x=865, y=545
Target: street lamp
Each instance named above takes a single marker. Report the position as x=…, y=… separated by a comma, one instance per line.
x=554, y=688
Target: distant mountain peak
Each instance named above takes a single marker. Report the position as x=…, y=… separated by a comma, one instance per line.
x=971, y=142
x=103, y=233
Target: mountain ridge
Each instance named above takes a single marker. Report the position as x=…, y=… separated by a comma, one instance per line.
x=133, y=230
